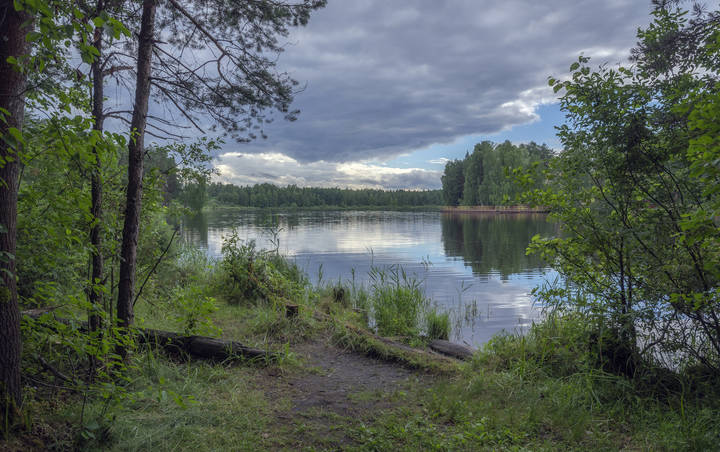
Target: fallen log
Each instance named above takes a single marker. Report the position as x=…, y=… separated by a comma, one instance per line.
x=200, y=346
x=390, y=350
x=195, y=346
x=451, y=349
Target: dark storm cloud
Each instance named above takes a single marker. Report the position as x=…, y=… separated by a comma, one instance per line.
x=386, y=77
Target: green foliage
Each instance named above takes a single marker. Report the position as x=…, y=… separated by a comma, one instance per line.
x=192, y=311
x=249, y=275
x=54, y=201
x=474, y=174
x=453, y=181
x=557, y=368
x=437, y=324
x=268, y=195
x=185, y=169
x=398, y=302
x=483, y=177
x=81, y=362
x=194, y=195
x=634, y=197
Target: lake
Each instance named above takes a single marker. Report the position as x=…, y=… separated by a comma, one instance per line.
x=471, y=265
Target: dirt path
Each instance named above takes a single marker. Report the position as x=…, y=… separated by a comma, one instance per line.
x=338, y=390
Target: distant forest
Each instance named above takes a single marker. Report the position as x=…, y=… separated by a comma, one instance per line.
x=269, y=195
x=484, y=177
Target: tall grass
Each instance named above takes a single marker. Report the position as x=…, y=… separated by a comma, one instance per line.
x=393, y=303
x=437, y=324
x=577, y=391
x=398, y=301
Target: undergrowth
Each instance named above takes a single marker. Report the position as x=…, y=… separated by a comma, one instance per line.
x=555, y=387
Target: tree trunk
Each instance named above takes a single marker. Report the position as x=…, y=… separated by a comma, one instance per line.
x=12, y=99
x=131, y=227
x=96, y=189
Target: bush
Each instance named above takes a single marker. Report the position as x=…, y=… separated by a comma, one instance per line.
x=246, y=274
x=192, y=311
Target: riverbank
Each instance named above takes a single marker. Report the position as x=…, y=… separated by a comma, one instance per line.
x=225, y=207
x=494, y=209
x=327, y=392
x=214, y=206
x=332, y=385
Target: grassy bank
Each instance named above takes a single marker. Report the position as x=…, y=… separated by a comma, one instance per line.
x=547, y=390
x=506, y=398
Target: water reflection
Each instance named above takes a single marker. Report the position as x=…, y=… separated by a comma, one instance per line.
x=479, y=271
x=491, y=243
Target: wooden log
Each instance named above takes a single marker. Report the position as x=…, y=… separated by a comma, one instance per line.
x=208, y=347
x=195, y=346
x=451, y=349
x=396, y=348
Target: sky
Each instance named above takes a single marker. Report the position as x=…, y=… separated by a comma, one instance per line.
x=392, y=90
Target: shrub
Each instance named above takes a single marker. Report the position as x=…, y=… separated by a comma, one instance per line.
x=192, y=311
x=248, y=274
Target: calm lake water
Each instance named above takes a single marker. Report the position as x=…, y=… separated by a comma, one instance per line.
x=473, y=266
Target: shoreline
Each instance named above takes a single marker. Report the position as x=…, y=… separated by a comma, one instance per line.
x=495, y=209
x=429, y=208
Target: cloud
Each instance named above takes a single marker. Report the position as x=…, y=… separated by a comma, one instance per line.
x=384, y=78
x=273, y=167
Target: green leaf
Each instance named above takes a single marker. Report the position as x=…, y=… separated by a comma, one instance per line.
x=33, y=36
x=17, y=135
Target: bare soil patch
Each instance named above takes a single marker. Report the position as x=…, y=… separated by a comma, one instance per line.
x=337, y=390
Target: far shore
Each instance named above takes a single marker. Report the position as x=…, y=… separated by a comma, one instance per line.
x=429, y=208
x=495, y=209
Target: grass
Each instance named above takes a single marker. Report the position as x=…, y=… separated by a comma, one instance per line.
x=438, y=325
x=528, y=392
x=540, y=391
x=209, y=418
x=360, y=341
x=398, y=301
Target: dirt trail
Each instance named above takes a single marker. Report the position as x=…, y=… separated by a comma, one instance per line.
x=339, y=388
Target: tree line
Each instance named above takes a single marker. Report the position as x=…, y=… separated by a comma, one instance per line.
x=485, y=176
x=269, y=195
x=78, y=202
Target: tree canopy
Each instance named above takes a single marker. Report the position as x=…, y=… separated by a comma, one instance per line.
x=67, y=183
x=269, y=195
x=635, y=190
x=484, y=177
